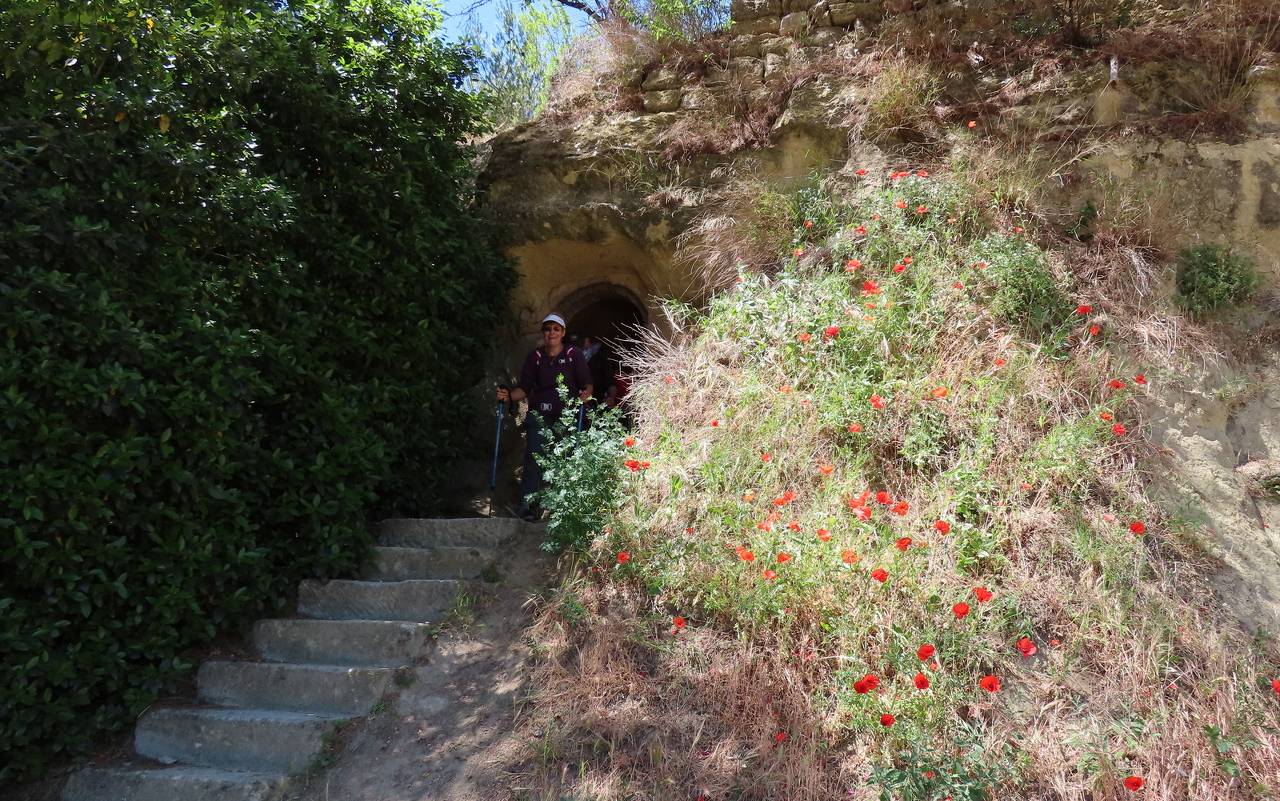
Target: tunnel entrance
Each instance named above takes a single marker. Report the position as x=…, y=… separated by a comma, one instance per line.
x=607, y=311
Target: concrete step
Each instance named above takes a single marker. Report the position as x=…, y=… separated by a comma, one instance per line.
x=171, y=784
x=361, y=643
x=419, y=600
x=259, y=740
x=473, y=532
x=327, y=689
x=449, y=561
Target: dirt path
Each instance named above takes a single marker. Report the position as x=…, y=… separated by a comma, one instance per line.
x=447, y=736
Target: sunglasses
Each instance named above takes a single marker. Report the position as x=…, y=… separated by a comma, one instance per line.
x=547, y=328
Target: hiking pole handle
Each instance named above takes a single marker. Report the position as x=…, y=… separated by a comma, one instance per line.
x=497, y=440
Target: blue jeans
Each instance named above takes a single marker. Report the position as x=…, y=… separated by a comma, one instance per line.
x=531, y=476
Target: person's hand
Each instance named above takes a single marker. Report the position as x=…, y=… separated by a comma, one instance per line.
x=504, y=394
x=585, y=394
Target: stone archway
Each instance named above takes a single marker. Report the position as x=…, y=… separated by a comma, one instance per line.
x=605, y=310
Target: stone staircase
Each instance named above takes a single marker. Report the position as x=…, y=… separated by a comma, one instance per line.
x=256, y=724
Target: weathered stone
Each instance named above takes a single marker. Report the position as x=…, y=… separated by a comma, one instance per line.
x=269, y=741
x=1268, y=194
x=187, y=783
x=695, y=99
x=794, y=23
x=663, y=100
x=898, y=6
x=746, y=46
x=754, y=26
x=847, y=14
x=470, y=532
x=823, y=37
x=662, y=78
x=819, y=16
x=790, y=6
x=750, y=68
x=773, y=65
x=324, y=689
x=777, y=45
x=742, y=10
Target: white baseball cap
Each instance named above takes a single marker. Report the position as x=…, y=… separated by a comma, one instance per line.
x=554, y=318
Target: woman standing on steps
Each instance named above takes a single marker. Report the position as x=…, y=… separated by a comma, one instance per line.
x=538, y=377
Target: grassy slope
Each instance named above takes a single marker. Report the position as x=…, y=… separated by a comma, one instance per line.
x=997, y=419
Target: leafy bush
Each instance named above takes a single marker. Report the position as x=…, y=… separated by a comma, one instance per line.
x=581, y=472
x=1025, y=293
x=675, y=19
x=1211, y=276
x=234, y=246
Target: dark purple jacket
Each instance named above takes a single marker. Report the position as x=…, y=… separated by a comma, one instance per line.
x=538, y=379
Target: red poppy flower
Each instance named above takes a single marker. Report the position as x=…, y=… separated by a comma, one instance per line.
x=861, y=230
x=942, y=526
x=632, y=465
x=783, y=556
x=1026, y=485
x=973, y=123
x=928, y=774
x=922, y=209
x=957, y=285
x=804, y=336
x=769, y=575
x=1138, y=527
x=852, y=265
x=670, y=379
x=899, y=267
x=784, y=499
x=826, y=469
x=900, y=508
x=1133, y=783
x=824, y=535
x=765, y=525
x=745, y=555
x=1106, y=417
x=960, y=610
x=854, y=428
x=925, y=651
x=1017, y=229
x=1094, y=330
x=999, y=362
x=629, y=442
x=808, y=223
x=1084, y=308
x=1275, y=686
x=644, y=465
x=860, y=172
x=900, y=203
x=678, y=622
x=1026, y=647
x=780, y=737
x=982, y=594
x=766, y=456
x=921, y=681
x=831, y=332
x=1119, y=430
x=887, y=720
x=940, y=392
x=870, y=287
x=1054, y=642
x=848, y=557
x=799, y=252
x=863, y=513
x=715, y=423
x=922, y=173
x=624, y=557
x=989, y=683
x=880, y=574
x=1140, y=378
x=877, y=402
x=1115, y=383
x=903, y=543
x=866, y=684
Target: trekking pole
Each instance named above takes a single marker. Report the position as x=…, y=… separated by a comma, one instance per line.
x=582, y=411
x=497, y=439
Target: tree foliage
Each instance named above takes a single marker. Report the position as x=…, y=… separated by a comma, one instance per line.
x=518, y=59
x=240, y=294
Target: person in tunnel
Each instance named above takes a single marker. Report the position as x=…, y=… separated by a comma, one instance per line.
x=600, y=363
x=538, y=376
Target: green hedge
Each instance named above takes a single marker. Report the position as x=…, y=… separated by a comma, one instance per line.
x=240, y=295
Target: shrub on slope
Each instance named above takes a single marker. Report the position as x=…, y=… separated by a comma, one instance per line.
x=893, y=540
